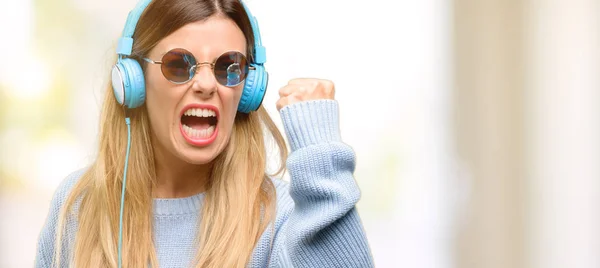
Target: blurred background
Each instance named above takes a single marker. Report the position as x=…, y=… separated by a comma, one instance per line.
x=476, y=124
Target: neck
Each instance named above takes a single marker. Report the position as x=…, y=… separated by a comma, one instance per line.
x=176, y=178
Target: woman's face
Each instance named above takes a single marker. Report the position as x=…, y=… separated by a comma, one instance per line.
x=193, y=121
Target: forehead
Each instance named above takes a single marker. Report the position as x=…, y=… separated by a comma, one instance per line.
x=205, y=39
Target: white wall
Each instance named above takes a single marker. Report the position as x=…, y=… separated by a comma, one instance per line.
x=390, y=62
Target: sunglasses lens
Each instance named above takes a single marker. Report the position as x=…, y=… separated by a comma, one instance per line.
x=231, y=69
x=177, y=64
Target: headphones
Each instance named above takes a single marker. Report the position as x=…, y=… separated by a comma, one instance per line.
x=128, y=78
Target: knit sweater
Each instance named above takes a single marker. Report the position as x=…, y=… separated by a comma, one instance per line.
x=316, y=223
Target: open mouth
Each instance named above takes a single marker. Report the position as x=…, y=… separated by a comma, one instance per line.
x=199, y=123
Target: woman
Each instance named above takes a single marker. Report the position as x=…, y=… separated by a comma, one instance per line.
x=191, y=189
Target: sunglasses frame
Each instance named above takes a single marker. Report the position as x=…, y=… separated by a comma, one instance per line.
x=198, y=65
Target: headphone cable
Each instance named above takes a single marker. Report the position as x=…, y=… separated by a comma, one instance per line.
x=128, y=122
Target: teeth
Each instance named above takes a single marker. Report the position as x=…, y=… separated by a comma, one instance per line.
x=200, y=112
x=199, y=133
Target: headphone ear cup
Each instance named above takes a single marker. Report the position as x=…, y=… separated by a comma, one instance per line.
x=128, y=83
x=255, y=88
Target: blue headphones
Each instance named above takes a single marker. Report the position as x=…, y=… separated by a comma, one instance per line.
x=128, y=78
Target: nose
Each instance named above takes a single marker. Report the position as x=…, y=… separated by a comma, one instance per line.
x=205, y=83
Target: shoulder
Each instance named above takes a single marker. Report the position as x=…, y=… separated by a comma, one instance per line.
x=47, y=236
x=64, y=188
x=285, y=203
x=282, y=188
x=62, y=192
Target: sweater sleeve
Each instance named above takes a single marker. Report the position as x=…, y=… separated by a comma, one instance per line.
x=323, y=229
x=47, y=237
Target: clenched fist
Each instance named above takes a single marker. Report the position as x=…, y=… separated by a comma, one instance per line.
x=304, y=89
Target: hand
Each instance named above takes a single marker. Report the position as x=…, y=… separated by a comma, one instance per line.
x=304, y=89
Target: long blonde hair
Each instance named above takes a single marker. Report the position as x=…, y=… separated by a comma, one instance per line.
x=238, y=180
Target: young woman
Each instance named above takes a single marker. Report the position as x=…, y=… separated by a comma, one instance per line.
x=180, y=178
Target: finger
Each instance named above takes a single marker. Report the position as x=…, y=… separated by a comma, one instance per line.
x=285, y=90
x=329, y=90
x=289, y=89
x=291, y=99
x=281, y=103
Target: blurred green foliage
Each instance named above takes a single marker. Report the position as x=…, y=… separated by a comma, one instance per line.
x=57, y=34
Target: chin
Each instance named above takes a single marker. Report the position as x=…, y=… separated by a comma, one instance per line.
x=199, y=159
x=200, y=155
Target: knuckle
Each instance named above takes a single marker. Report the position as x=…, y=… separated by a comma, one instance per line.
x=284, y=91
x=279, y=104
x=296, y=95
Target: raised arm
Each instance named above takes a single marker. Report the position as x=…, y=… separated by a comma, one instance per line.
x=323, y=229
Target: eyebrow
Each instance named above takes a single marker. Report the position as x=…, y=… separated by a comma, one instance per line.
x=235, y=50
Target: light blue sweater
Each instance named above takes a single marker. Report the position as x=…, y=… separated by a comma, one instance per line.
x=317, y=224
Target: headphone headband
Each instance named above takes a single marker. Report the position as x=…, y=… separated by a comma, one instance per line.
x=260, y=54
x=126, y=42
x=127, y=76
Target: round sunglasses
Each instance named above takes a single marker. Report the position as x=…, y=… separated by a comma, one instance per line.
x=179, y=66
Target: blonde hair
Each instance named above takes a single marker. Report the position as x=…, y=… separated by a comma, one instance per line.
x=238, y=180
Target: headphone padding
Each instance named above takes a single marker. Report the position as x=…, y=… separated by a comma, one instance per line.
x=254, y=90
x=135, y=90
x=248, y=90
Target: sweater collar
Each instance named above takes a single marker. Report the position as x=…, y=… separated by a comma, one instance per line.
x=178, y=206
